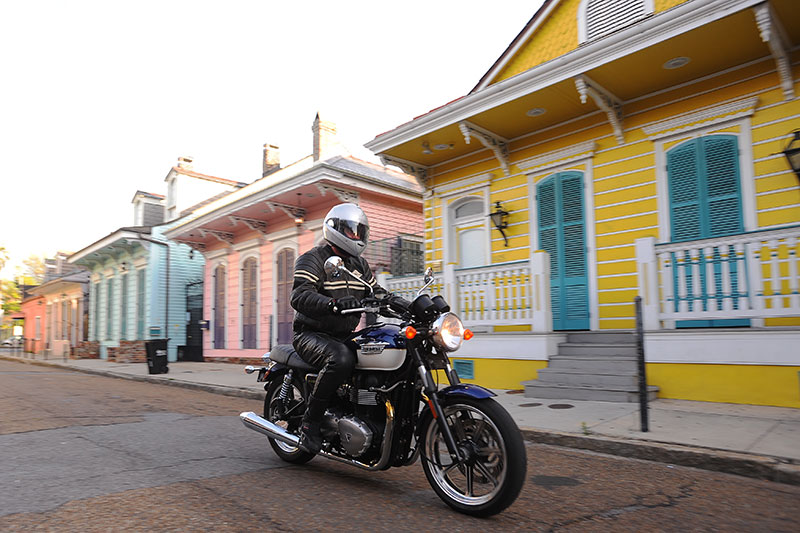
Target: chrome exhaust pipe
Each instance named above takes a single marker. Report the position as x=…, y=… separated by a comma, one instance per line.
x=264, y=426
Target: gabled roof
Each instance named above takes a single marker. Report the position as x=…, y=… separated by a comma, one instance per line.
x=206, y=177
x=519, y=41
x=152, y=195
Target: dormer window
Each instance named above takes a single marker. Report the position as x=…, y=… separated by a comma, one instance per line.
x=597, y=18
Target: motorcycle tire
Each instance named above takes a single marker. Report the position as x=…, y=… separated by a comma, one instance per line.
x=297, y=405
x=493, y=477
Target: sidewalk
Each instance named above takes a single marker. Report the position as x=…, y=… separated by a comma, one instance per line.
x=755, y=441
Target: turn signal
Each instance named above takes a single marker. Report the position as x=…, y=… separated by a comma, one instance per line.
x=410, y=332
x=468, y=334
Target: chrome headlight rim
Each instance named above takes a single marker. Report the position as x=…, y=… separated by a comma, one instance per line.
x=448, y=332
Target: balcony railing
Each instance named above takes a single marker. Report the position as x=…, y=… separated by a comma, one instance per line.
x=505, y=294
x=747, y=276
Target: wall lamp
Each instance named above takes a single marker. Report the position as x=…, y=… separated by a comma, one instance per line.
x=792, y=153
x=499, y=219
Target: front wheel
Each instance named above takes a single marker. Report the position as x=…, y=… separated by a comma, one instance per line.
x=493, y=469
x=288, y=414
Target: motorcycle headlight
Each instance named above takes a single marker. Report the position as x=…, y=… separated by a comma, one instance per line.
x=448, y=332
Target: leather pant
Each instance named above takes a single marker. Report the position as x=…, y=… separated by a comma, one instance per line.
x=336, y=359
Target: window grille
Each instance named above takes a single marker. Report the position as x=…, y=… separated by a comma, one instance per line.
x=601, y=17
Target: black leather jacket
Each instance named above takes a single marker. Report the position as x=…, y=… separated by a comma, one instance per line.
x=312, y=292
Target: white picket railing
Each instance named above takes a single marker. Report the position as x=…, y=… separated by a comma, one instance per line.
x=751, y=275
x=495, y=295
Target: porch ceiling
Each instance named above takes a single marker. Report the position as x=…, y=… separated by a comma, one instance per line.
x=711, y=48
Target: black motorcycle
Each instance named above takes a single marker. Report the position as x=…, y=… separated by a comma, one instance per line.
x=392, y=410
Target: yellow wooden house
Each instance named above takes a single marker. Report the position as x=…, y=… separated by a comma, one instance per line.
x=628, y=148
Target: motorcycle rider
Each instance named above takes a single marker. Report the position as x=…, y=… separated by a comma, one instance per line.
x=320, y=330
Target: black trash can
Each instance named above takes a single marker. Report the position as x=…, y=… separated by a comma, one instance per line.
x=156, y=356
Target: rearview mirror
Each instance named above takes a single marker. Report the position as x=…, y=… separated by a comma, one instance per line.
x=333, y=266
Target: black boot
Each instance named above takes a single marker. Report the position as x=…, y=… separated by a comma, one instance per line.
x=310, y=434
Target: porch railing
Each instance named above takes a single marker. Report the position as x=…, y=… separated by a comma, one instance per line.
x=496, y=295
x=747, y=276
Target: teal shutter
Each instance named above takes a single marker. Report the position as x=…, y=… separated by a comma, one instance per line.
x=562, y=235
x=705, y=201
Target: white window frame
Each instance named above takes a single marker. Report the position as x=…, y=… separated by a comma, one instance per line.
x=255, y=254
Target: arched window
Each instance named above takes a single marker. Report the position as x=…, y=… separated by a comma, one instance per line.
x=469, y=217
x=249, y=302
x=219, y=307
x=597, y=18
x=284, y=313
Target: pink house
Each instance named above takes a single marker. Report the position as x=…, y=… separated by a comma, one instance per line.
x=252, y=237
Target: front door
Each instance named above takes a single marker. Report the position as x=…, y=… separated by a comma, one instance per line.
x=193, y=351
x=283, y=309
x=559, y=201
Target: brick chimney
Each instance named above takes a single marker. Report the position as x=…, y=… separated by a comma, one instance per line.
x=272, y=159
x=325, y=142
x=185, y=162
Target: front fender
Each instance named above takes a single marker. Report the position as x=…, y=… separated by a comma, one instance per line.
x=465, y=389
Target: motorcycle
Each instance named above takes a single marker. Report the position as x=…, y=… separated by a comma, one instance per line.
x=392, y=411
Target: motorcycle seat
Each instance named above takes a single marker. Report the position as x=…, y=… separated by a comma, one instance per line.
x=286, y=355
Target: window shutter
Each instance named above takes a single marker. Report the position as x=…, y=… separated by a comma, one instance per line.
x=684, y=195
x=722, y=185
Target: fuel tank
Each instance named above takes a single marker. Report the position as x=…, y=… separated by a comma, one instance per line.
x=382, y=348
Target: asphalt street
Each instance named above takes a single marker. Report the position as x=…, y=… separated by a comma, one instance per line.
x=92, y=453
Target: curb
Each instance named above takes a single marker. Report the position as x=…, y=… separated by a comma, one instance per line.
x=216, y=389
x=738, y=463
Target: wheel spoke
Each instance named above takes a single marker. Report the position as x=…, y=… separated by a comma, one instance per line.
x=469, y=473
x=488, y=475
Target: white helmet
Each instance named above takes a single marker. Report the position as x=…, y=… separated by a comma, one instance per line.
x=346, y=227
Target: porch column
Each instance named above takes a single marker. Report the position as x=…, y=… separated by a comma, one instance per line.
x=647, y=270
x=450, y=288
x=542, y=317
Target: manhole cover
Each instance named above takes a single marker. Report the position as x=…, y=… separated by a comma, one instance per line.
x=530, y=404
x=516, y=391
x=560, y=406
x=551, y=482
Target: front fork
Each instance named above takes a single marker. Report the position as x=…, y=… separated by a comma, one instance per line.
x=429, y=393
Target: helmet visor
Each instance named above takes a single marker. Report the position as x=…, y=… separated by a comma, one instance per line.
x=350, y=229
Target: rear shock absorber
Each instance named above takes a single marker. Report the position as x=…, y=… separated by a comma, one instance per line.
x=287, y=382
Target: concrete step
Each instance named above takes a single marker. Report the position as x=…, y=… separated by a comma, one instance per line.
x=591, y=364
x=588, y=348
x=536, y=389
x=601, y=337
x=582, y=377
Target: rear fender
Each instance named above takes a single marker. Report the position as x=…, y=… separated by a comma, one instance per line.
x=276, y=371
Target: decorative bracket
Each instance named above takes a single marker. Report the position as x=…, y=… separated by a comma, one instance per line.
x=222, y=236
x=292, y=211
x=774, y=35
x=341, y=194
x=252, y=223
x=199, y=246
x=490, y=140
x=418, y=171
x=605, y=100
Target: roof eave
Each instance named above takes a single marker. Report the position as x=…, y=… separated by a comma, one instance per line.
x=663, y=26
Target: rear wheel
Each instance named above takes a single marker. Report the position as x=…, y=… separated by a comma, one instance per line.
x=493, y=470
x=288, y=414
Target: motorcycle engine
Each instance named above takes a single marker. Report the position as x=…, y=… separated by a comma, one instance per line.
x=354, y=435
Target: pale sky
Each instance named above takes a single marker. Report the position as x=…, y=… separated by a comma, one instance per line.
x=100, y=98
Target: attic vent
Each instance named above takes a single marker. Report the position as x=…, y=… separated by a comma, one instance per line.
x=597, y=18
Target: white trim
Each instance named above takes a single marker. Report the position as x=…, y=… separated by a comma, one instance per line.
x=248, y=245
x=746, y=178
x=251, y=253
x=287, y=243
x=703, y=117
x=464, y=185
x=650, y=31
x=590, y=237
x=543, y=162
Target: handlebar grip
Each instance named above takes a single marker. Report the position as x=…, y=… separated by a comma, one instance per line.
x=355, y=310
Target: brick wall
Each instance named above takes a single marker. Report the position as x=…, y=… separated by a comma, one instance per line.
x=87, y=350
x=131, y=352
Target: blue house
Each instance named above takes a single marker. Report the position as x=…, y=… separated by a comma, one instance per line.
x=142, y=286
